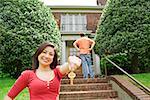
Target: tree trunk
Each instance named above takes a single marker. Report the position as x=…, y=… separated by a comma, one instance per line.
x=135, y=63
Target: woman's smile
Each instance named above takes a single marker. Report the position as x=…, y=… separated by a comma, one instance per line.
x=46, y=57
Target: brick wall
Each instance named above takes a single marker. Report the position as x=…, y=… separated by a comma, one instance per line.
x=92, y=21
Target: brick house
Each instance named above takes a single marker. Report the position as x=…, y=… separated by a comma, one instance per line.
x=74, y=19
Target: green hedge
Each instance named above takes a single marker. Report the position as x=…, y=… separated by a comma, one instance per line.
x=125, y=28
x=24, y=24
x=121, y=59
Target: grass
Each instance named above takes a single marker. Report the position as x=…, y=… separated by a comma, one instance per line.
x=144, y=78
x=6, y=83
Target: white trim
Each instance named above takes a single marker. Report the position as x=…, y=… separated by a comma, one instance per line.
x=77, y=11
x=77, y=7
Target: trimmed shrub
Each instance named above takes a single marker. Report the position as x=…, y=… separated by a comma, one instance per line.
x=121, y=59
x=125, y=28
x=24, y=25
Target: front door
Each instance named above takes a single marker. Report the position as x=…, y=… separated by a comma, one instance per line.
x=72, y=51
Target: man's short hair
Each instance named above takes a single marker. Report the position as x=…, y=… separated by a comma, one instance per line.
x=82, y=34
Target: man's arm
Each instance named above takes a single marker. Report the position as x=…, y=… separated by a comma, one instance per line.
x=92, y=45
x=75, y=45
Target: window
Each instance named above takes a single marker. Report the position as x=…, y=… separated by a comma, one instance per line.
x=73, y=22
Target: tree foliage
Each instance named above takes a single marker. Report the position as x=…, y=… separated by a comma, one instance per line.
x=24, y=24
x=125, y=28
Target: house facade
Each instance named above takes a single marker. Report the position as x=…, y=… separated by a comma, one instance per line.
x=74, y=19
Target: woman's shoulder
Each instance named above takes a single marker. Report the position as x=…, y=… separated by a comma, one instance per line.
x=27, y=72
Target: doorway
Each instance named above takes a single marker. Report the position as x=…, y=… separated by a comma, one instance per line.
x=72, y=51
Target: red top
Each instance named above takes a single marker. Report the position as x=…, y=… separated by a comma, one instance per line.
x=38, y=89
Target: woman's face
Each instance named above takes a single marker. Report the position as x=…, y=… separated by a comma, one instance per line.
x=46, y=56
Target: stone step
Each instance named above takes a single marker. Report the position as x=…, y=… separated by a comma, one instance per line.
x=83, y=81
x=89, y=98
x=86, y=87
x=101, y=94
x=77, y=76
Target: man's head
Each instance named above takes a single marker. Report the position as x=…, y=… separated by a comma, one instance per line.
x=82, y=34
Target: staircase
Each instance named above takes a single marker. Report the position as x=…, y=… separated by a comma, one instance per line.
x=91, y=89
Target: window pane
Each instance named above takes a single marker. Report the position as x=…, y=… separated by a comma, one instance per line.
x=73, y=22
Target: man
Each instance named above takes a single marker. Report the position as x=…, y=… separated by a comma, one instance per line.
x=84, y=45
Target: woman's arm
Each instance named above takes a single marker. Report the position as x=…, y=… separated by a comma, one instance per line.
x=18, y=86
x=73, y=63
x=7, y=98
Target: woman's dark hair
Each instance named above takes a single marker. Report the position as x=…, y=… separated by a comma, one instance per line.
x=35, y=62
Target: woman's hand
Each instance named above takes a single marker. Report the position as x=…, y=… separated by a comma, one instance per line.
x=7, y=98
x=74, y=62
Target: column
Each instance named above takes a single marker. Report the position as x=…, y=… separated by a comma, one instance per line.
x=63, y=56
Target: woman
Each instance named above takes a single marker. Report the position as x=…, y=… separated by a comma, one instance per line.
x=43, y=81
